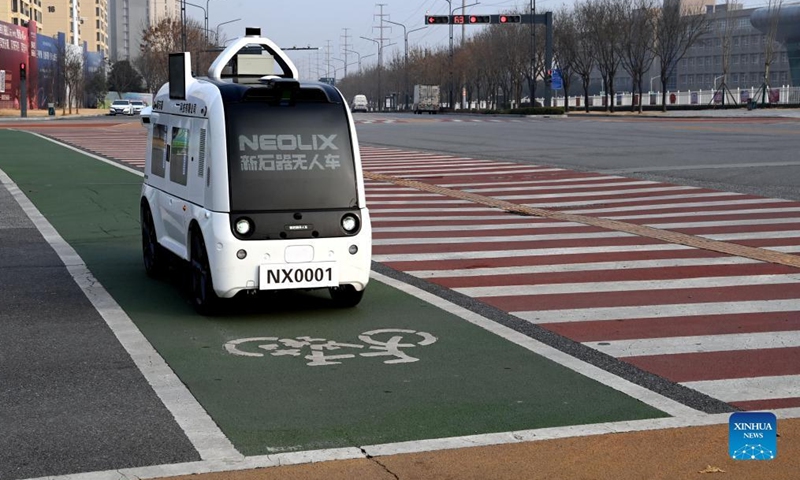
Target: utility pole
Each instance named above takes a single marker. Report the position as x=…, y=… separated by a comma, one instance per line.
x=345, y=49
x=328, y=59
x=532, y=86
x=381, y=38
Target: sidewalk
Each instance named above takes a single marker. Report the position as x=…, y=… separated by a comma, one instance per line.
x=742, y=113
x=9, y=115
x=672, y=454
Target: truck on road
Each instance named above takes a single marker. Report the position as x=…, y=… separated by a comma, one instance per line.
x=426, y=99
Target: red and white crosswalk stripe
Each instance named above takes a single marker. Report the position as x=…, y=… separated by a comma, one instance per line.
x=125, y=142
x=723, y=325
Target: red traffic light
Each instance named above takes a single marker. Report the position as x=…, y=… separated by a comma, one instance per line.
x=437, y=19
x=480, y=19
x=510, y=18
x=23, y=71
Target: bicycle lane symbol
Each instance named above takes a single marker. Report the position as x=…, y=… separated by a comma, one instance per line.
x=321, y=351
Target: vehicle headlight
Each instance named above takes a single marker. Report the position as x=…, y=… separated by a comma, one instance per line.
x=243, y=226
x=350, y=223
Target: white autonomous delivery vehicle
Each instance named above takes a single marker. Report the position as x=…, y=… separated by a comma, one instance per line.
x=254, y=180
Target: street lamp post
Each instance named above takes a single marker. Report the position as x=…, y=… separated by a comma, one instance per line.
x=380, y=100
x=651, y=81
x=216, y=35
x=405, y=60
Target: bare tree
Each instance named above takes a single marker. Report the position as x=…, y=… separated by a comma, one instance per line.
x=163, y=38
x=73, y=76
x=678, y=27
x=565, y=46
x=770, y=45
x=636, y=47
x=584, y=60
x=606, y=32
x=725, y=29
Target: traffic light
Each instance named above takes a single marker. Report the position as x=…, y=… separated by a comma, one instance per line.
x=510, y=18
x=437, y=19
x=23, y=71
x=548, y=77
x=480, y=19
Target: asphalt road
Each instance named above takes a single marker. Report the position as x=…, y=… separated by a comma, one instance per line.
x=754, y=155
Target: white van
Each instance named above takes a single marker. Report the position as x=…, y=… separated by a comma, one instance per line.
x=360, y=103
x=254, y=181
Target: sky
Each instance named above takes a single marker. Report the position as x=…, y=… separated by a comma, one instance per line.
x=322, y=23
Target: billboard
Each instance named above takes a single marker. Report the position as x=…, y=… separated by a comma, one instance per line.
x=14, y=50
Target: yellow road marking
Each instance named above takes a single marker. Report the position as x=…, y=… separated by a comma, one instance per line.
x=754, y=253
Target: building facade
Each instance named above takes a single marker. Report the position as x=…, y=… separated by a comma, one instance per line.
x=20, y=12
x=159, y=9
x=127, y=20
x=701, y=67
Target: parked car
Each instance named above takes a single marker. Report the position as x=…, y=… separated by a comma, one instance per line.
x=122, y=107
x=137, y=105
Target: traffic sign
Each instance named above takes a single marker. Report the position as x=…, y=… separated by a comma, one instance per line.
x=558, y=82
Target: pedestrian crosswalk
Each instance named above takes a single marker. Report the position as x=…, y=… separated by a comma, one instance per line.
x=686, y=314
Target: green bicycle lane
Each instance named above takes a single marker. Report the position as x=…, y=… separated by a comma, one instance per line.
x=287, y=372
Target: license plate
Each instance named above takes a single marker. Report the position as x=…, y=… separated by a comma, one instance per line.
x=298, y=275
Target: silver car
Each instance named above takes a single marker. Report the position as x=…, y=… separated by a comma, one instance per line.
x=122, y=107
x=137, y=105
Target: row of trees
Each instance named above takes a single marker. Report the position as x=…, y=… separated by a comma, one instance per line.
x=502, y=63
x=496, y=67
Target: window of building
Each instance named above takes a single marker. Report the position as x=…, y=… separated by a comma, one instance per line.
x=14, y=8
x=691, y=62
x=97, y=12
x=15, y=20
x=754, y=59
x=691, y=79
x=745, y=41
x=735, y=59
x=735, y=78
x=718, y=60
x=98, y=36
x=735, y=41
x=699, y=61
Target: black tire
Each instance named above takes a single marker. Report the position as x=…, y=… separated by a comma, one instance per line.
x=345, y=296
x=155, y=259
x=204, y=299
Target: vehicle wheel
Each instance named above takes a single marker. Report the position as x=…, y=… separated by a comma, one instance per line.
x=155, y=260
x=204, y=299
x=345, y=296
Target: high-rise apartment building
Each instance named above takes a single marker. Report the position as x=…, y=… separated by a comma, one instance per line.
x=159, y=9
x=20, y=12
x=127, y=20
x=92, y=22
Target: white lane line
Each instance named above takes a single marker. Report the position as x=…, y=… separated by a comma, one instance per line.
x=466, y=166
x=415, y=446
x=532, y=224
x=631, y=286
x=697, y=344
x=374, y=211
x=515, y=188
x=582, y=178
x=665, y=206
x=659, y=311
x=582, y=267
x=518, y=226
x=197, y=425
x=753, y=235
x=604, y=201
x=501, y=238
x=446, y=218
x=466, y=173
x=706, y=213
x=91, y=155
x=596, y=193
x=439, y=200
x=617, y=383
x=539, y=252
x=748, y=389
